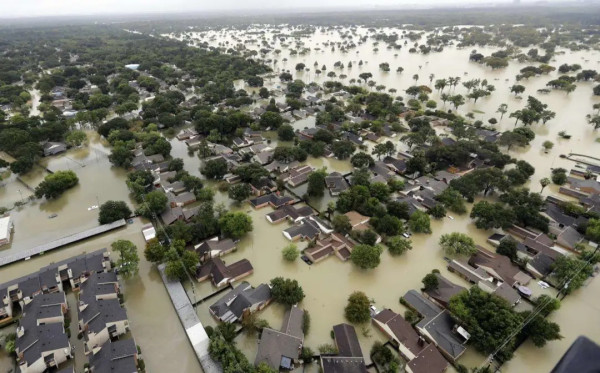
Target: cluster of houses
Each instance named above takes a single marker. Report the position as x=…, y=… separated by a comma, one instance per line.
x=43, y=333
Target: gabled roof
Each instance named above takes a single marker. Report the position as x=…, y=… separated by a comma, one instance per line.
x=232, y=305
x=115, y=357
x=422, y=305
x=346, y=341
x=429, y=360
x=440, y=329
x=402, y=330
x=499, y=266
x=446, y=289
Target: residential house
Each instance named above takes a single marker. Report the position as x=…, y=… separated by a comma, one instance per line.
x=241, y=301
x=290, y=213
x=445, y=290
x=336, y=183
x=395, y=164
x=281, y=168
x=263, y=186
x=437, y=326
x=242, y=142
x=349, y=358
x=41, y=342
x=116, y=357
x=587, y=186
x=186, y=134
x=422, y=357
x=334, y=244
x=500, y=267
x=101, y=316
x=360, y=222
x=306, y=230
x=280, y=349
x=182, y=199
x=214, y=248
x=298, y=175
x=53, y=148
x=381, y=172
x=273, y=199
x=222, y=274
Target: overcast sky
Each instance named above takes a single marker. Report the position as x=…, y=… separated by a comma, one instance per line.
x=36, y=8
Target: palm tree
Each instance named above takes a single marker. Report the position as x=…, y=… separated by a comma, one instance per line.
x=544, y=183
x=502, y=109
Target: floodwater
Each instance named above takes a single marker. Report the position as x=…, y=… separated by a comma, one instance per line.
x=328, y=284
x=154, y=323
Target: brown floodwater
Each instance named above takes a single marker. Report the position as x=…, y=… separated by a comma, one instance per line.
x=327, y=284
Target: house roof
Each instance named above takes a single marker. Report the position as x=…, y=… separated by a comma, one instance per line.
x=440, y=329
x=39, y=339
x=429, y=360
x=293, y=321
x=214, y=244
x=346, y=341
x=272, y=199
x=102, y=312
x=422, y=305
x=499, y=266
x=472, y=274
x=307, y=229
x=276, y=349
x=232, y=305
x=356, y=218
x=445, y=290
x=402, y=330
x=115, y=357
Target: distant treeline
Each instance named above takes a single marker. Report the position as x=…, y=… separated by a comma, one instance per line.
x=584, y=14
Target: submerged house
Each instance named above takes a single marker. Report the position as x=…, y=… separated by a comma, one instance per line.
x=280, y=349
x=222, y=274
x=349, y=358
x=422, y=356
x=437, y=326
x=291, y=213
x=241, y=301
x=335, y=244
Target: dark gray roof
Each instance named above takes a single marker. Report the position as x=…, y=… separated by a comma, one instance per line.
x=555, y=213
x=45, y=306
x=239, y=299
x=293, y=320
x=115, y=357
x=276, y=349
x=440, y=329
x=97, y=314
x=542, y=263
x=346, y=341
x=39, y=339
x=307, y=229
x=422, y=305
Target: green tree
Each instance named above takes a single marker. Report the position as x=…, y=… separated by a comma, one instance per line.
x=490, y=215
x=128, y=263
x=316, y=183
x=290, y=252
x=366, y=256
x=453, y=201
x=56, y=184
x=357, y=310
x=239, y=192
x=286, y=291
x=362, y=160
x=271, y=120
x=76, y=138
x=398, y=245
x=544, y=182
x=286, y=133
x=235, y=224
x=457, y=244
x=571, y=273
x=154, y=251
x=156, y=202
x=508, y=247
x=215, y=168
x=430, y=282
x=111, y=211
x=419, y=222
x=342, y=149
x=592, y=231
x=341, y=224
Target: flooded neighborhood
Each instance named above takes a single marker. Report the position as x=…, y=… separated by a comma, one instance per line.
x=350, y=192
